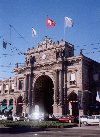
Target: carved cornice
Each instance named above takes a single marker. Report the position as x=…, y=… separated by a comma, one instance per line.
x=73, y=61
x=72, y=70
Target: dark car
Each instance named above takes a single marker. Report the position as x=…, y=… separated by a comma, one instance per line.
x=10, y=117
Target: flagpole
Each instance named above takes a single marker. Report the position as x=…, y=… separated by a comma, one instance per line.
x=46, y=25
x=10, y=33
x=64, y=33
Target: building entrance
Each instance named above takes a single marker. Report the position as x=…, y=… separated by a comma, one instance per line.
x=44, y=93
x=73, y=104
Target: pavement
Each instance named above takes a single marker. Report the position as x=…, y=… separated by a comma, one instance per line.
x=83, y=131
x=92, y=127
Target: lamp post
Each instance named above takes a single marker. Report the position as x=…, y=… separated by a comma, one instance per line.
x=32, y=59
x=80, y=105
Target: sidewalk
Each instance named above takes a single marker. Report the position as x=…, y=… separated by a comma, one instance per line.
x=93, y=127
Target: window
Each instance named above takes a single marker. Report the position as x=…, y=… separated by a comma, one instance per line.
x=12, y=86
x=70, y=53
x=72, y=79
x=95, y=77
x=97, y=117
x=20, y=84
x=6, y=88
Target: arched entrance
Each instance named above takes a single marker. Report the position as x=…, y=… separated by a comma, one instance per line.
x=8, y=111
x=19, y=105
x=43, y=89
x=73, y=104
x=4, y=106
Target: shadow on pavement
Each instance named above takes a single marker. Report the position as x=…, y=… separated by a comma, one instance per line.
x=20, y=130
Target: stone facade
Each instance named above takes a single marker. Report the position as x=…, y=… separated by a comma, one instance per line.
x=52, y=78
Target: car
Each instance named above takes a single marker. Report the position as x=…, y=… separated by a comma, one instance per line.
x=3, y=117
x=83, y=118
x=10, y=117
x=18, y=118
x=90, y=120
x=67, y=118
x=26, y=118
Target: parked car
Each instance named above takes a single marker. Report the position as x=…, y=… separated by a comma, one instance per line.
x=10, y=117
x=3, y=117
x=90, y=120
x=51, y=117
x=67, y=118
x=18, y=118
x=83, y=118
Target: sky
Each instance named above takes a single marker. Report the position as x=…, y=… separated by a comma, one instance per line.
x=17, y=17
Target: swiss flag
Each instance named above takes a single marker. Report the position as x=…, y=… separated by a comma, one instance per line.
x=50, y=23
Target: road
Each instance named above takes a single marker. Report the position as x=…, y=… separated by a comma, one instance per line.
x=88, y=131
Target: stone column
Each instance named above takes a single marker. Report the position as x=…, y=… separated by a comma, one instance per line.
x=2, y=90
x=70, y=108
x=24, y=109
x=60, y=87
x=65, y=94
x=56, y=93
x=14, y=105
x=26, y=89
x=7, y=101
x=30, y=94
x=56, y=88
x=9, y=86
x=25, y=83
x=60, y=92
x=17, y=84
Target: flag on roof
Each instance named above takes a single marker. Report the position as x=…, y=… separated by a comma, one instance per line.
x=68, y=22
x=98, y=96
x=33, y=32
x=50, y=23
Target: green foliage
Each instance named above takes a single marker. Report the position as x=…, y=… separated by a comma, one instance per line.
x=36, y=124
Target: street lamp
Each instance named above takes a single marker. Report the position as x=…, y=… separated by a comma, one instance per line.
x=80, y=105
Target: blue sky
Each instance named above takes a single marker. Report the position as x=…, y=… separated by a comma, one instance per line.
x=22, y=15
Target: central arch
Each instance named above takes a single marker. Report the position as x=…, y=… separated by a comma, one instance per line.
x=43, y=89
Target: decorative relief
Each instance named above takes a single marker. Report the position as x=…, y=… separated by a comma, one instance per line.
x=74, y=61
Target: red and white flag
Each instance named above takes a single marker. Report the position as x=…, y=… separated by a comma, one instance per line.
x=50, y=23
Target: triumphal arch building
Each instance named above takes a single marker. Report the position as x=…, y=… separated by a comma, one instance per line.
x=46, y=77
x=52, y=78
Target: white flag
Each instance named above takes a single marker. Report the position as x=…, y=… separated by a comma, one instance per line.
x=33, y=32
x=68, y=22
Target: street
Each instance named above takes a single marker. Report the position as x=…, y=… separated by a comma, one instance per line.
x=87, y=131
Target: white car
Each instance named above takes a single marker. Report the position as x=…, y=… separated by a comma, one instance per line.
x=18, y=118
x=3, y=117
x=83, y=118
x=90, y=120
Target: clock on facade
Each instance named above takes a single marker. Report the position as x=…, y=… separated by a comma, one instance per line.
x=44, y=56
